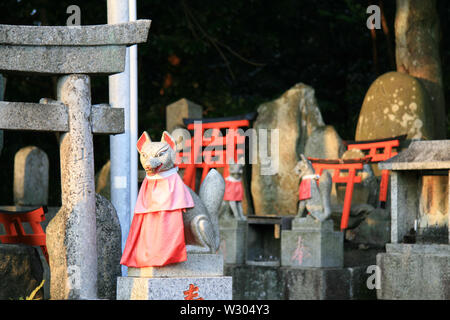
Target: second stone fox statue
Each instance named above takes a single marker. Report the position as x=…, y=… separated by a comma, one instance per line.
x=170, y=220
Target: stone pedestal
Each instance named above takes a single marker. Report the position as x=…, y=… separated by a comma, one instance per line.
x=233, y=239
x=312, y=243
x=414, y=271
x=201, y=276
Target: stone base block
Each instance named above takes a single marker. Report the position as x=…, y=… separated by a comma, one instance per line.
x=233, y=239
x=311, y=243
x=196, y=265
x=207, y=288
x=414, y=271
x=287, y=283
x=327, y=284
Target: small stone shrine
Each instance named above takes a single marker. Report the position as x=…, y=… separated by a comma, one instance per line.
x=416, y=264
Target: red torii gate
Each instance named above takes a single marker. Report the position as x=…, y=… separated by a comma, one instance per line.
x=193, y=152
x=372, y=148
x=350, y=165
x=15, y=233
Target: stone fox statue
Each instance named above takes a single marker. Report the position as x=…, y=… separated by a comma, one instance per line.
x=169, y=218
x=313, y=196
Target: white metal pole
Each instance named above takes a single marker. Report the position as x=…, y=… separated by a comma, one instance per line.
x=119, y=97
x=133, y=114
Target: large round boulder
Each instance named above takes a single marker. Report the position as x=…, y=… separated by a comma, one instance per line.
x=395, y=104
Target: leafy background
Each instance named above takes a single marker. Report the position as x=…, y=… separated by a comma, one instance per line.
x=228, y=56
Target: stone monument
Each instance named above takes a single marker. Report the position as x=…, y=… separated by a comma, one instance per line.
x=416, y=264
x=395, y=104
x=31, y=177
x=74, y=53
x=178, y=110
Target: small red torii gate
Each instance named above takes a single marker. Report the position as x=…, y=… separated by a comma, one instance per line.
x=372, y=148
x=339, y=165
x=15, y=233
x=193, y=152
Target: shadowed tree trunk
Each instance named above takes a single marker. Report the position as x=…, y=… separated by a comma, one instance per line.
x=417, y=35
x=387, y=35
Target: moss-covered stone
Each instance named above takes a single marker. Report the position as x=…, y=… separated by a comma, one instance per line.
x=395, y=104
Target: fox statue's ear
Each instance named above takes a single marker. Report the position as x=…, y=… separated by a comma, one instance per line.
x=167, y=138
x=145, y=138
x=303, y=157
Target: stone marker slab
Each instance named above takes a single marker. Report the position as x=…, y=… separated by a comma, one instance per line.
x=197, y=265
x=31, y=170
x=311, y=243
x=109, y=248
x=209, y=288
x=296, y=115
x=177, y=111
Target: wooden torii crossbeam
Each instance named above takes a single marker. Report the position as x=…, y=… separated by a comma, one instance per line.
x=373, y=148
x=339, y=165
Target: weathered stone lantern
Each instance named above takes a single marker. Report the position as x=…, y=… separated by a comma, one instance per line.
x=416, y=264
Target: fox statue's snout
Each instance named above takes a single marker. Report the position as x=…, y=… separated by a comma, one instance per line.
x=151, y=165
x=201, y=226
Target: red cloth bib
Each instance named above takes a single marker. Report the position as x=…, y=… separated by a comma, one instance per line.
x=163, y=194
x=156, y=236
x=304, y=190
x=234, y=190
